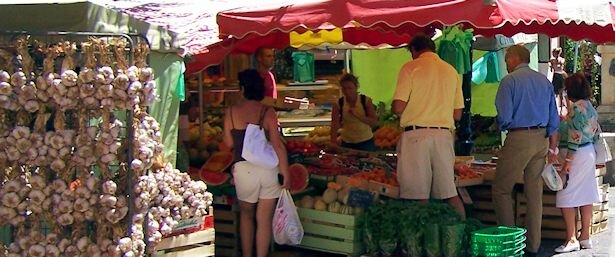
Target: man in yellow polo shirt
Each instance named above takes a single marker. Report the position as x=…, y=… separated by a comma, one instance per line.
x=429, y=99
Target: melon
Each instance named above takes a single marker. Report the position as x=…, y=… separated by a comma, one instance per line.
x=307, y=202
x=334, y=207
x=329, y=196
x=342, y=195
x=320, y=205
x=299, y=178
x=212, y=178
x=346, y=209
x=218, y=162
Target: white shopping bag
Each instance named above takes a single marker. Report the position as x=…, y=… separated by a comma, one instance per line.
x=257, y=149
x=287, y=228
x=552, y=178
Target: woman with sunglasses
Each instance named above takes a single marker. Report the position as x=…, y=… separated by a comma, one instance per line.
x=581, y=190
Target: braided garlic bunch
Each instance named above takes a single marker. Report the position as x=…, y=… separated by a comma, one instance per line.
x=147, y=142
x=6, y=92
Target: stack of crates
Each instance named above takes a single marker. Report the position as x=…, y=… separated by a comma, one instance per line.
x=498, y=242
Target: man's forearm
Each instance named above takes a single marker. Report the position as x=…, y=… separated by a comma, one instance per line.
x=554, y=140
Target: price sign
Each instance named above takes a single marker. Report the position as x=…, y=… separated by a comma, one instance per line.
x=360, y=198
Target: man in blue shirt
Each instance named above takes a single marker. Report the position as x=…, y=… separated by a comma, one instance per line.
x=526, y=109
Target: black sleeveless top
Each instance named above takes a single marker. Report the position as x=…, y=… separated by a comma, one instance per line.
x=239, y=135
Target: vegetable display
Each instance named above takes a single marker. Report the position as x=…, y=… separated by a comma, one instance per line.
x=69, y=160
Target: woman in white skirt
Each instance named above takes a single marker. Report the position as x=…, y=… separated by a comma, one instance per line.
x=581, y=188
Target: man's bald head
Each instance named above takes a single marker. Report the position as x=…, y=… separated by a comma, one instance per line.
x=516, y=55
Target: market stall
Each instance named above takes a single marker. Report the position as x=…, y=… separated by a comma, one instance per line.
x=82, y=165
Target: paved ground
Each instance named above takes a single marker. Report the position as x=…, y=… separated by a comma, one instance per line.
x=604, y=243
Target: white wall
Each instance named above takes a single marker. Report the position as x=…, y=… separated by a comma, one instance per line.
x=608, y=81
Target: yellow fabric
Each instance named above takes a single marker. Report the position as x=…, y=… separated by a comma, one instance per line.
x=354, y=130
x=310, y=38
x=432, y=90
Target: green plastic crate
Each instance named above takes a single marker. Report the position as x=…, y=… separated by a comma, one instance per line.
x=481, y=247
x=510, y=252
x=497, y=235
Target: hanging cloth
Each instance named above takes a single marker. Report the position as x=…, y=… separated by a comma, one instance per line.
x=486, y=69
x=454, y=48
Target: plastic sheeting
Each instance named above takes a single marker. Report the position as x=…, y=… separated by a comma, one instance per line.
x=168, y=69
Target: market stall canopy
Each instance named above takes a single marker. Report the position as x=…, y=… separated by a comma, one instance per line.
x=192, y=21
x=82, y=16
x=362, y=20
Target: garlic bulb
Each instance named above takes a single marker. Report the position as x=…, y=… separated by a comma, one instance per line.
x=27, y=97
x=108, y=143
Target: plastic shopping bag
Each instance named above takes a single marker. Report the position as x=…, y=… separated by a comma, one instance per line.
x=552, y=178
x=287, y=228
x=257, y=149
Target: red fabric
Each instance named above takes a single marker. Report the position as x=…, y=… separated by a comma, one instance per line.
x=393, y=22
x=406, y=17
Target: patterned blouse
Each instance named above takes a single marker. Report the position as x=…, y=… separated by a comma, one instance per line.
x=581, y=127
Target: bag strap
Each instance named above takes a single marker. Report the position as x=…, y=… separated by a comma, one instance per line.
x=232, y=121
x=262, y=116
x=364, y=103
x=340, y=102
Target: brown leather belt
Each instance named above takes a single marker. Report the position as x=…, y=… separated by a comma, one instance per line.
x=526, y=128
x=409, y=128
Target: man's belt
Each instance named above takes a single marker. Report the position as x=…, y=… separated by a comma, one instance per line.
x=526, y=128
x=409, y=128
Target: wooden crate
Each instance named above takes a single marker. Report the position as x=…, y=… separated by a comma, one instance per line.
x=482, y=204
x=469, y=182
x=384, y=189
x=554, y=227
x=187, y=226
x=226, y=223
x=330, y=232
x=343, y=179
x=197, y=244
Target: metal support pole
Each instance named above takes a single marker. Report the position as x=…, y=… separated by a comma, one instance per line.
x=464, y=144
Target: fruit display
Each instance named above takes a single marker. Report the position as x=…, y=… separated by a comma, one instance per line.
x=378, y=175
x=320, y=135
x=212, y=77
x=213, y=172
x=218, y=162
x=101, y=192
x=387, y=136
x=202, y=146
x=465, y=173
x=299, y=178
x=334, y=199
x=304, y=147
x=213, y=178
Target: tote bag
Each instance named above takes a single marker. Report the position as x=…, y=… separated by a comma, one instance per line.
x=603, y=152
x=256, y=147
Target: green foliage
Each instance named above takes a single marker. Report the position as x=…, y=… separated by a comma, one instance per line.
x=402, y=222
x=593, y=71
x=385, y=115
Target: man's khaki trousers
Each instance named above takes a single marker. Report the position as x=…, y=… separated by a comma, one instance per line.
x=523, y=155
